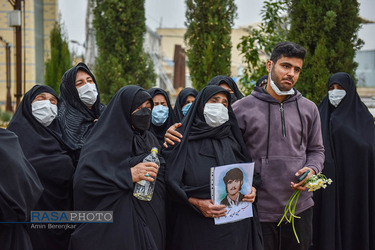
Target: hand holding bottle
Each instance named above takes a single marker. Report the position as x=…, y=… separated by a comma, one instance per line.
x=144, y=188
x=144, y=171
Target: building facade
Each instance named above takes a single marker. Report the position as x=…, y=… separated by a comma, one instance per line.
x=37, y=20
x=175, y=36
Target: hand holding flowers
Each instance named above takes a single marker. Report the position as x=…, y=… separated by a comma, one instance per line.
x=313, y=183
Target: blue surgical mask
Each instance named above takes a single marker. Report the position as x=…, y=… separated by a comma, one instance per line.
x=159, y=115
x=185, y=109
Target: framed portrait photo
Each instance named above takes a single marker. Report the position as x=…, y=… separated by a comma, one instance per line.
x=229, y=184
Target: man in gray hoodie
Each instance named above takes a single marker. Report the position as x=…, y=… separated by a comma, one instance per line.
x=282, y=132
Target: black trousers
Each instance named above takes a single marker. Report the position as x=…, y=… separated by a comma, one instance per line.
x=282, y=237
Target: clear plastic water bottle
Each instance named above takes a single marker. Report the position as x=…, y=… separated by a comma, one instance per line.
x=143, y=189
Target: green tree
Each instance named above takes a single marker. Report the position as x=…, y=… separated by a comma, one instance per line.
x=60, y=58
x=120, y=26
x=260, y=42
x=328, y=30
x=208, y=38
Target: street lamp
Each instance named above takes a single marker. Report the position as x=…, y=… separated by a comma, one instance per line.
x=76, y=42
x=8, y=106
x=76, y=57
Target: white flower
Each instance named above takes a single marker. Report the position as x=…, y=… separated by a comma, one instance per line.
x=320, y=182
x=316, y=182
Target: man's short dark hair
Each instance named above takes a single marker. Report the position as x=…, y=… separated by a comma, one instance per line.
x=287, y=49
x=233, y=174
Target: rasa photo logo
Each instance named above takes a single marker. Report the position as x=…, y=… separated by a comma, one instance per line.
x=71, y=217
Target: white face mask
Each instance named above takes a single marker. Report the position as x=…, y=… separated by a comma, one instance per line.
x=88, y=93
x=276, y=89
x=44, y=111
x=335, y=96
x=215, y=114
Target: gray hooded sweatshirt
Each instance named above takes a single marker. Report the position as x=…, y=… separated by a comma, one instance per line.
x=282, y=138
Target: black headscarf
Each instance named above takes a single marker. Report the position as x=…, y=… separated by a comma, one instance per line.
x=20, y=190
x=196, y=128
x=180, y=102
x=30, y=131
x=159, y=131
x=48, y=154
x=201, y=148
x=103, y=181
x=143, y=141
x=217, y=80
x=344, y=211
x=75, y=117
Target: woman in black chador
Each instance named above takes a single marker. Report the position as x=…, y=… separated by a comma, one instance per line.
x=110, y=164
x=40, y=138
x=344, y=213
x=228, y=84
x=211, y=137
x=80, y=106
x=20, y=190
x=183, y=103
x=162, y=113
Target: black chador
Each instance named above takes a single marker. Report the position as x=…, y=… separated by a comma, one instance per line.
x=159, y=131
x=217, y=80
x=180, y=102
x=103, y=181
x=51, y=159
x=344, y=212
x=20, y=190
x=75, y=118
x=188, y=175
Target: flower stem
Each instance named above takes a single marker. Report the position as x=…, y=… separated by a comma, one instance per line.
x=292, y=219
x=290, y=207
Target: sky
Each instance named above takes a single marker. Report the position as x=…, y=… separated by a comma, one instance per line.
x=171, y=14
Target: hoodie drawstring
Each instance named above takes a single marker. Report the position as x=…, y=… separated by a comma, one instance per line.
x=300, y=118
x=269, y=129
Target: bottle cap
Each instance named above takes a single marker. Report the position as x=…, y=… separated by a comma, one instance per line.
x=154, y=149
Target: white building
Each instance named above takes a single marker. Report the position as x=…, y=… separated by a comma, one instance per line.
x=366, y=68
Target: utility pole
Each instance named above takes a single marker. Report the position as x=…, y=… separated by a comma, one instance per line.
x=9, y=97
x=179, y=67
x=8, y=106
x=15, y=21
x=18, y=95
